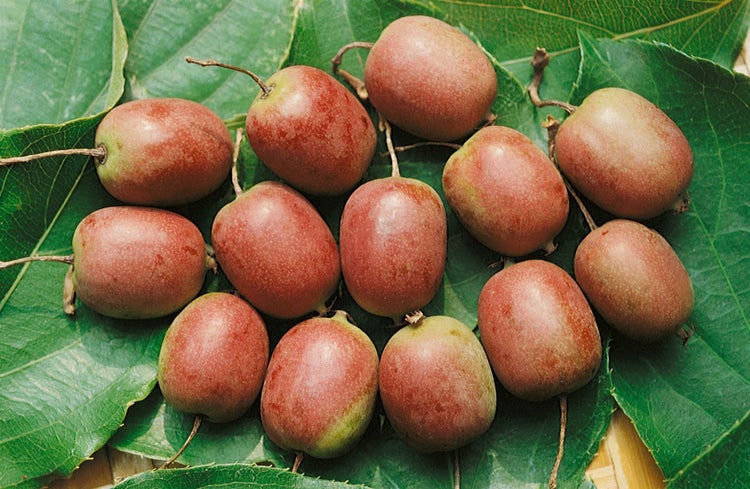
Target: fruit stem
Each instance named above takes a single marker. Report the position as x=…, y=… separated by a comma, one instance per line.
x=539, y=62
x=385, y=126
x=266, y=89
x=552, y=125
x=357, y=84
x=69, y=293
x=563, y=399
x=196, y=424
x=28, y=259
x=99, y=153
x=235, y=158
x=407, y=147
x=456, y=470
x=297, y=461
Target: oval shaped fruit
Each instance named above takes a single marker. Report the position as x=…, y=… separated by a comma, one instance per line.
x=625, y=154
x=213, y=357
x=429, y=78
x=634, y=279
x=311, y=131
x=277, y=251
x=436, y=384
x=163, y=151
x=393, y=238
x=506, y=192
x=137, y=262
x=320, y=389
x=538, y=330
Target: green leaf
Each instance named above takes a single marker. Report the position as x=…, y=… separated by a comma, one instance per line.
x=64, y=384
x=511, y=30
x=54, y=69
x=252, y=35
x=228, y=476
x=690, y=404
x=97, y=367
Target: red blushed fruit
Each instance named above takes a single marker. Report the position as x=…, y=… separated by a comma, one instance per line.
x=538, y=330
x=277, y=251
x=137, y=262
x=506, y=192
x=213, y=358
x=625, y=154
x=311, y=131
x=436, y=384
x=393, y=238
x=319, y=394
x=163, y=152
x=430, y=79
x=635, y=280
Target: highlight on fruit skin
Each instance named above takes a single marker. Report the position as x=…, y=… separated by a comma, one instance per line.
x=506, y=192
x=436, y=384
x=430, y=79
x=393, y=245
x=539, y=331
x=162, y=152
x=319, y=394
x=132, y=262
x=213, y=358
x=625, y=154
x=277, y=251
x=635, y=280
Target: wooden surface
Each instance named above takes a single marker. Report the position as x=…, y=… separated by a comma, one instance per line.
x=622, y=462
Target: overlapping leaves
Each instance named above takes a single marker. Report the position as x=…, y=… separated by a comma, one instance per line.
x=65, y=384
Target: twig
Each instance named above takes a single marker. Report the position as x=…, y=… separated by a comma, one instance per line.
x=28, y=259
x=196, y=425
x=235, y=158
x=266, y=89
x=100, y=153
x=561, y=441
x=357, y=84
x=385, y=126
x=539, y=62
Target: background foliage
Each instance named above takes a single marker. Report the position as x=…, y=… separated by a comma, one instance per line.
x=67, y=385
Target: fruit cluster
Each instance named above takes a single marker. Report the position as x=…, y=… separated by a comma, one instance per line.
x=538, y=333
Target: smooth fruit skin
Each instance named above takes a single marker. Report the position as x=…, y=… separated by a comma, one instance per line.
x=635, y=280
x=213, y=357
x=436, y=384
x=277, y=251
x=538, y=330
x=430, y=79
x=625, y=154
x=393, y=239
x=311, y=131
x=320, y=389
x=137, y=262
x=163, y=152
x=506, y=192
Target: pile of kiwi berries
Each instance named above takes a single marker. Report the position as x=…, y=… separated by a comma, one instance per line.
x=317, y=387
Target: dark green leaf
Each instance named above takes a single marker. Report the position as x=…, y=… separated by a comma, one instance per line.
x=690, y=404
x=228, y=476
x=56, y=67
x=252, y=35
x=111, y=364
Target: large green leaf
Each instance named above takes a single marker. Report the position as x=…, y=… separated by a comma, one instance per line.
x=54, y=68
x=229, y=476
x=690, y=404
x=511, y=30
x=64, y=384
x=111, y=364
x=254, y=35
